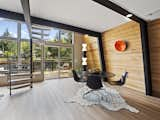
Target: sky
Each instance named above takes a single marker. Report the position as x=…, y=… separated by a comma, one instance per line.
x=12, y=27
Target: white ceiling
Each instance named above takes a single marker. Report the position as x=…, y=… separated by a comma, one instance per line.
x=146, y=9
x=81, y=13
x=84, y=13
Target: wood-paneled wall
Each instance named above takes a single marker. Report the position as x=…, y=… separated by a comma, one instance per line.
x=154, y=44
x=78, y=39
x=93, y=55
x=93, y=58
x=130, y=60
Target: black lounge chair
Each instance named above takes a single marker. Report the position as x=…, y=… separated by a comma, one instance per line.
x=94, y=81
x=121, y=81
x=76, y=77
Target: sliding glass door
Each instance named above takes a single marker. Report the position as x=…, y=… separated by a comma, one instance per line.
x=51, y=62
x=65, y=61
x=57, y=62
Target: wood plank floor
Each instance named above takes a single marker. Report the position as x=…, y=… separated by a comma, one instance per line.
x=46, y=102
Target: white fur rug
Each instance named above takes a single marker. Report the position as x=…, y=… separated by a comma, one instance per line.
x=107, y=97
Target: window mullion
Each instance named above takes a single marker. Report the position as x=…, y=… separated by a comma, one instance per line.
x=19, y=42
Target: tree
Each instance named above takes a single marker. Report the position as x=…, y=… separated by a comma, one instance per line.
x=25, y=50
x=37, y=53
x=51, y=52
x=6, y=33
x=66, y=52
x=8, y=47
x=66, y=37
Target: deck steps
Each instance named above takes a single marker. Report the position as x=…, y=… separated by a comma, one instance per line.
x=21, y=74
x=20, y=81
x=21, y=86
x=37, y=33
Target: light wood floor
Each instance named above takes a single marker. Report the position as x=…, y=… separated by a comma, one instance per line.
x=46, y=102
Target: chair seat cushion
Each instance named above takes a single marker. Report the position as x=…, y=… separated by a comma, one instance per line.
x=94, y=82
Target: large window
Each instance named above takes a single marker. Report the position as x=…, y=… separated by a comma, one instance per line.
x=52, y=52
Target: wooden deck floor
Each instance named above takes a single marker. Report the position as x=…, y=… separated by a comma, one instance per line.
x=46, y=102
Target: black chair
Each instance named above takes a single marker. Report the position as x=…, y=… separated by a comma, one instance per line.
x=94, y=81
x=75, y=76
x=79, y=78
x=121, y=81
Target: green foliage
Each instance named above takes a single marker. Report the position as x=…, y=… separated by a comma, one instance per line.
x=65, y=52
x=25, y=49
x=51, y=52
x=36, y=52
x=8, y=47
x=66, y=37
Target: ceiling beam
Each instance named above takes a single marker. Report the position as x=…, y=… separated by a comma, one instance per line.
x=27, y=16
x=50, y=23
x=119, y=9
x=40, y=21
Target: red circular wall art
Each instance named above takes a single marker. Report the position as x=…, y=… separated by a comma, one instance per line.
x=120, y=45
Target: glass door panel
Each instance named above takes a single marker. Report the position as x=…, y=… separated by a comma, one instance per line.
x=23, y=57
x=65, y=69
x=51, y=67
x=65, y=62
x=37, y=59
x=25, y=52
